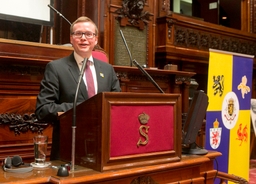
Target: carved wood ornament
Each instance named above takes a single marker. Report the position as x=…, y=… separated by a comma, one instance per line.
x=143, y=180
x=22, y=124
x=132, y=13
x=202, y=40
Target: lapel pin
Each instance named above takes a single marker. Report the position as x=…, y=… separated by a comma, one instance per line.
x=102, y=75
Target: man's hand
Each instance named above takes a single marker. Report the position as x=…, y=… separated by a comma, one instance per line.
x=60, y=113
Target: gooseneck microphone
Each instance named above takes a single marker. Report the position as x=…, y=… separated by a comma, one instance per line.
x=59, y=13
x=74, y=116
x=77, y=90
x=139, y=66
x=126, y=46
x=148, y=76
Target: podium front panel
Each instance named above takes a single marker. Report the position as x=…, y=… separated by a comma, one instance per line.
x=141, y=129
x=118, y=130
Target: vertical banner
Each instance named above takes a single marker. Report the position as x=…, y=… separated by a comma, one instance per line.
x=228, y=114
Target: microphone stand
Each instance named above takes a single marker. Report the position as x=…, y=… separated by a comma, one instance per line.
x=148, y=76
x=75, y=100
x=128, y=50
x=74, y=116
x=59, y=13
x=139, y=66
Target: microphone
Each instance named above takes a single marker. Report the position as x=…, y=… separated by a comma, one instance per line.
x=139, y=66
x=74, y=116
x=59, y=13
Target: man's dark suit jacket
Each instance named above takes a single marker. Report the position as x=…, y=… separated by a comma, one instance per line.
x=58, y=87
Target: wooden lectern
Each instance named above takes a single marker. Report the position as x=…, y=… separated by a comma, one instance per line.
x=117, y=130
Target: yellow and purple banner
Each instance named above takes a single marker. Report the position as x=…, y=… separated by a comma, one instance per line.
x=228, y=114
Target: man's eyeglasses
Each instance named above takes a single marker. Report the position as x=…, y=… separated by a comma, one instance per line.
x=87, y=34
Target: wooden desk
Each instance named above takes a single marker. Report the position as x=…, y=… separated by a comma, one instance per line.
x=196, y=169
x=170, y=81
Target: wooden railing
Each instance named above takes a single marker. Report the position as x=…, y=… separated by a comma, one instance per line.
x=186, y=41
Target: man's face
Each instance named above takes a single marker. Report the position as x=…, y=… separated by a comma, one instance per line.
x=82, y=44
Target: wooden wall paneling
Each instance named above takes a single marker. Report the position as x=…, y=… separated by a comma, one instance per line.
x=67, y=8
x=96, y=10
x=187, y=42
x=153, y=9
x=163, y=8
x=193, y=38
x=109, y=25
x=21, y=144
x=132, y=80
x=207, y=14
x=30, y=52
x=120, y=19
x=18, y=125
x=21, y=70
x=246, y=15
x=151, y=6
x=103, y=22
x=253, y=16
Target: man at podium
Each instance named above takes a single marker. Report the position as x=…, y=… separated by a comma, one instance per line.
x=58, y=87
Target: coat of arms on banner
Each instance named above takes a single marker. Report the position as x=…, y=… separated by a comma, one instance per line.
x=243, y=86
x=215, y=135
x=242, y=133
x=218, y=85
x=230, y=110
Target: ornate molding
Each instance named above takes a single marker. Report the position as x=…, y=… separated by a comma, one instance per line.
x=126, y=76
x=143, y=180
x=170, y=25
x=20, y=31
x=165, y=5
x=182, y=79
x=122, y=75
x=21, y=69
x=23, y=123
x=132, y=13
x=201, y=40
